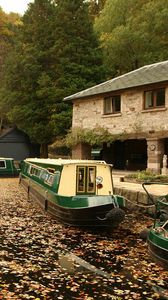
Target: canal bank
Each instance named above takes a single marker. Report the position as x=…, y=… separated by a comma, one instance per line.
x=134, y=193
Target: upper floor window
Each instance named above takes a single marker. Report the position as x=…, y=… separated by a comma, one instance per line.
x=154, y=98
x=112, y=104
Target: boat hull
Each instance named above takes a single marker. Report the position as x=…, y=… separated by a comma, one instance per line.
x=90, y=216
x=9, y=174
x=158, y=248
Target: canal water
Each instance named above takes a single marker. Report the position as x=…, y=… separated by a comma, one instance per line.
x=41, y=258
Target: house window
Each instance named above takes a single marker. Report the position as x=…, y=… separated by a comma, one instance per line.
x=112, y=105
x=154, y=98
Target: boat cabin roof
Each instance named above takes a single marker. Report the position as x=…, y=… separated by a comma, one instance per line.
x=6, y=158
x=60, y=161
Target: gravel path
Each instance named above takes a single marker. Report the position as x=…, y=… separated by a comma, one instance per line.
x=37, y=256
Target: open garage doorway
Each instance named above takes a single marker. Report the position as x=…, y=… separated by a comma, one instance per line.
x=126, y=155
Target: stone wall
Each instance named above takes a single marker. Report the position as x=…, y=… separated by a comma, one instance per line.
x=135, y=200
x=88, y=113
x=155, y=154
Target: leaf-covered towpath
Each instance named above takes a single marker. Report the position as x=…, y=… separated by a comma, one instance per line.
x=43, y=259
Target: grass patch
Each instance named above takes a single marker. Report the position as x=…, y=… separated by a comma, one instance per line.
x=146, y=176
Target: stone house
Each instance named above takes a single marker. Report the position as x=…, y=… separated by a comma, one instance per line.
x=133, y=106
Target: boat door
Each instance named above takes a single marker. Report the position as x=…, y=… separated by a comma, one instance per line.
x=85, y=179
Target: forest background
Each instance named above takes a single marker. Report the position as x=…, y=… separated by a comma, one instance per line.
x=60, y=47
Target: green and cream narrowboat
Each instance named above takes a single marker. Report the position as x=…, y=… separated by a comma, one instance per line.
x=77, y=192
x=8, y=167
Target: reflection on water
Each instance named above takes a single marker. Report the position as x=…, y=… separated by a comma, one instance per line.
x=71, y=263
x=67, y=264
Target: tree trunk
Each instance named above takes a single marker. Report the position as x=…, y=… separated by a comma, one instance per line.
x=44, y=150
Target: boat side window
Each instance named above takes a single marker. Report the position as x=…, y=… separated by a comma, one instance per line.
x=57, y=176
x=2, y=164
x=34, y=171
x=44, y=175
x=49, y=179
x=51, y=170
x=85, y=179
x=28, y=168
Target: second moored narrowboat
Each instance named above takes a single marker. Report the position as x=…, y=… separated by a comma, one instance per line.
x=77, y=192
x=8, y=167
x=158, y=234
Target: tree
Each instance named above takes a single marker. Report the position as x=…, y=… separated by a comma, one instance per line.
x=79, y=63
x=79, y=58
x=56, y=53
x=132, y=33
x=152, y=22
x=8, y=25
x=29, y=84
x=8, y=28
x=95, y=7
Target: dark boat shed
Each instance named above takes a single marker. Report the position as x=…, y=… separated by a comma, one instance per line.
x=15, y=143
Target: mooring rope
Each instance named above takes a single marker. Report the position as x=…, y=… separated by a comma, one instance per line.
x=136, y=204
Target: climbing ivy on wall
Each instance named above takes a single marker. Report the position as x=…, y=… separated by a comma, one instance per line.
x=95, y=136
